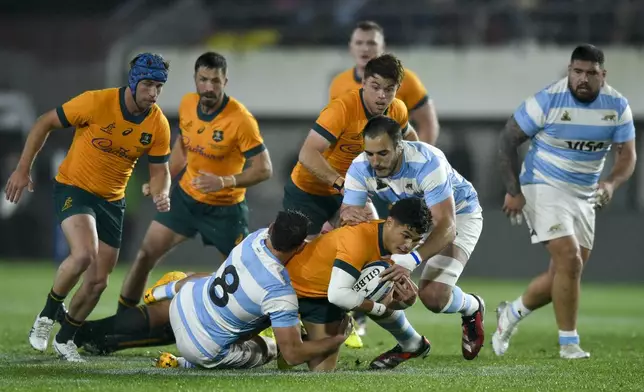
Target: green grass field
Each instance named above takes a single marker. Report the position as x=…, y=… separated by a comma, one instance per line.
x=611, y=326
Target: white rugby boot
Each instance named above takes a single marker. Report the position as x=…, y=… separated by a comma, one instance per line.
x=68, y=351
x=40, y=332
x=504, y=329
x=573, y=351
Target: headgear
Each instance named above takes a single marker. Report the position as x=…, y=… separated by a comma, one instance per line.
x=146, y=66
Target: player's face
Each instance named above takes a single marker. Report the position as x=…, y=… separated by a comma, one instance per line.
x=399, y=238
x=585, y=79
x=383, y=155
x=210, y=83
x=378, y=93
x=147, y=93
x=366, y=45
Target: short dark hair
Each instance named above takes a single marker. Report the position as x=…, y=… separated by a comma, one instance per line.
x=413, y=213
x=378, y=125
x=166, y=63
x=588, y=52
x=369, y=25
x=211, y=60
x=289, y=230
x=388, y=66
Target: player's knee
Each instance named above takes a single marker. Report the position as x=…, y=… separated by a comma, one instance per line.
x=434, y=296
x=96, y=285
x=82, y=258
x=146, y=257
x=567, y=259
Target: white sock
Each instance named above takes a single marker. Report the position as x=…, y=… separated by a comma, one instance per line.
x=460, y=302
x=517, y=311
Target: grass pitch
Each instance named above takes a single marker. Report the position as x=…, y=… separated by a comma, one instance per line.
x=611, y=326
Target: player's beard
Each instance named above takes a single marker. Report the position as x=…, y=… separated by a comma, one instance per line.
x=208, y=100
x=585, y=99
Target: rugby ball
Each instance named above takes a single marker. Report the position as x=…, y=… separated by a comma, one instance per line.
x=369, y=284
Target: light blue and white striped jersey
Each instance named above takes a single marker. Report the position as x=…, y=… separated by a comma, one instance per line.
x=249, y=287
x=569, y=138
x=424, y=173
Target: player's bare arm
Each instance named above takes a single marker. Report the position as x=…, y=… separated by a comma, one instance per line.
x=160, y=185
x=295, y=351
x=426, y=121
x=178, y=157
x=311, y=158
x=623, y=168
x=511, y=138
x=258, y=169
x=178, y=160
x=444, y=229
x=411, y=134
x=20, y=178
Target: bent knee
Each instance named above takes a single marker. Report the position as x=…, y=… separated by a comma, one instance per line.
x=83, y=257
x=434, y=296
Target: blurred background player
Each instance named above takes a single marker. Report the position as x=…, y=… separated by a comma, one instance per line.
x=218, y=136
x=114, y=128
x=571, y=125
x=324, y=273
x=254, y=279
x=368, y=42
x=393, y=169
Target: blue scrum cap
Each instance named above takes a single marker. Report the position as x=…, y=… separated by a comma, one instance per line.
x=147, y=66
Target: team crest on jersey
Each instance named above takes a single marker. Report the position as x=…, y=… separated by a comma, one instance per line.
x=609, y=117
x=218, y=135
x=566, y=116
x=146, y=138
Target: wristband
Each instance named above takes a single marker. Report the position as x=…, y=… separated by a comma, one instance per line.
x=338, y=187
x=378, y=309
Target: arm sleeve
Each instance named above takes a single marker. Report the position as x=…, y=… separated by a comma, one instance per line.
x=78, y=110
x=531, y=115
x=160, y=150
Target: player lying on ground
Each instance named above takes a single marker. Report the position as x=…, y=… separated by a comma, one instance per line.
x=114, y=128
x=392, y=169
x=571, y=125
x=325, y=272
x=213, y=317
x=218, y=136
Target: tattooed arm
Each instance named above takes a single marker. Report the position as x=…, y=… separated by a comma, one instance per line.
x=511, y=138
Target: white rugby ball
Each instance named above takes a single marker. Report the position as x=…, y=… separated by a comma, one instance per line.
x=369, y=284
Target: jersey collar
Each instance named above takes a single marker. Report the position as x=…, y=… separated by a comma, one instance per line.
x=381, y=243
x=356, y=77
x=209, y=117
x=127, y=116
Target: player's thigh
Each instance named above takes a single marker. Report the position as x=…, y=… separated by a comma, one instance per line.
x=180, y=220
x=318, y=209
x=548, y=212
x=447, y=267
x=192, y=342
x=75, y=210
x=321, y=319
x=224, y=227
x=584, y=224
x=159, y=240
x=159, y=313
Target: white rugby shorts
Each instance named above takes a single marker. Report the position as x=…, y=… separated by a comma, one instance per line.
x=241, y=355
x=446, y=269
x=551, y=213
